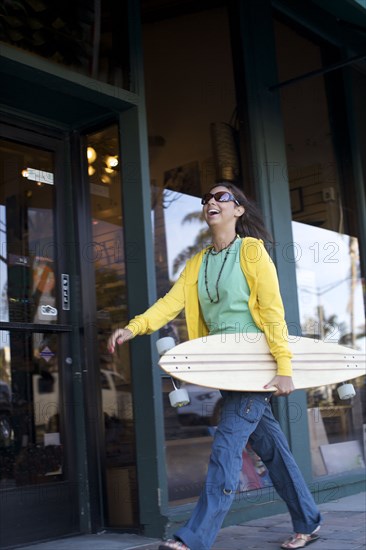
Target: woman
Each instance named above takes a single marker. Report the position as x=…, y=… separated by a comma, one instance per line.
x=232, y=286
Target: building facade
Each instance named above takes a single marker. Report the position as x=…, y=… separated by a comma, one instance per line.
x=121, y=114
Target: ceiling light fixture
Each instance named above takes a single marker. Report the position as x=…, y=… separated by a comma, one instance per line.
x=91, y=155
x=111, y=161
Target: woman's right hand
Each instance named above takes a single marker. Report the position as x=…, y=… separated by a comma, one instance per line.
x=118, y=337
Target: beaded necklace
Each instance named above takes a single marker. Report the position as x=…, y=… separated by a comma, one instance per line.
x=227, y=248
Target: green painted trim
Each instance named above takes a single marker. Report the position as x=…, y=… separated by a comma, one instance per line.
x=141, y=293
x=25, y=117
x=55, y=94
x=135, y=42
x=31, y=67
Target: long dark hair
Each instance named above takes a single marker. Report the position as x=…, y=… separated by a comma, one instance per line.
x=250, y=224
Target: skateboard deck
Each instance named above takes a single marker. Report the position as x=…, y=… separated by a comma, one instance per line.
x=244, y=363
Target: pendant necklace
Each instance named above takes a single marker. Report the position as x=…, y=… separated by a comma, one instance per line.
x=217, y=299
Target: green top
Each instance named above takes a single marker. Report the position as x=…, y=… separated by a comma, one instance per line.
x=231, y=313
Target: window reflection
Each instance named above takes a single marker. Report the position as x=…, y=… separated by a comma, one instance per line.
x=31, y=449
x=329, y=285
x=107, y=256
x=325, y=232
x=332, y=308
x=180, y=232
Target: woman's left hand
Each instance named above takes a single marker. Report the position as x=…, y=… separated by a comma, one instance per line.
x=284, y=385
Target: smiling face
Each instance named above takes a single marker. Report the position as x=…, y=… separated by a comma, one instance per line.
x=221, y=214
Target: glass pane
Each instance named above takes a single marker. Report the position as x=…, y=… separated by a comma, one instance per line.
x=330, y=292
x=30, y=433
x=27, y=256
x=192, y=134
x=107, y=255
x=88, y=37
x=31, y=450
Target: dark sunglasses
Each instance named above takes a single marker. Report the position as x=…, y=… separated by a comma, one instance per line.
x=220, y=196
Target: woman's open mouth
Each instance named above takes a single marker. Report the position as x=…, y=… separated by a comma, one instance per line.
x=213, y=212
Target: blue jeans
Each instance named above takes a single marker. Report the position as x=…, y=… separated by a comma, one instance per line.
x=247, y=417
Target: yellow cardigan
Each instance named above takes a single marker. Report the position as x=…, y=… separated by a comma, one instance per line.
x=265, y=302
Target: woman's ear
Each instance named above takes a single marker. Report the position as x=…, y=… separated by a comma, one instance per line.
x=240, y=210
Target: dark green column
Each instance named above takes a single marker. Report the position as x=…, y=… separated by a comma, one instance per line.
x=141, y=292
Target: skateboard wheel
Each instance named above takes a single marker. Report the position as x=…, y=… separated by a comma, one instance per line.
x=165, y=344
x=346, y=391
x=179, y=398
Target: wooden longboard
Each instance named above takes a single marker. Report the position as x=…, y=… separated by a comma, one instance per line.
x=244, y=363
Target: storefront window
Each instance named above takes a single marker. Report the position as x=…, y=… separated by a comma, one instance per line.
x=180, y=232
x=89, y=38
x=327, y=255
x=191, y=119
x=107, y=254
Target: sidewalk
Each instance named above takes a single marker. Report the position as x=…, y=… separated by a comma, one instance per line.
x=344, y=528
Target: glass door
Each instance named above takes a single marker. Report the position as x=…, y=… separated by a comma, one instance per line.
x=36, y=475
